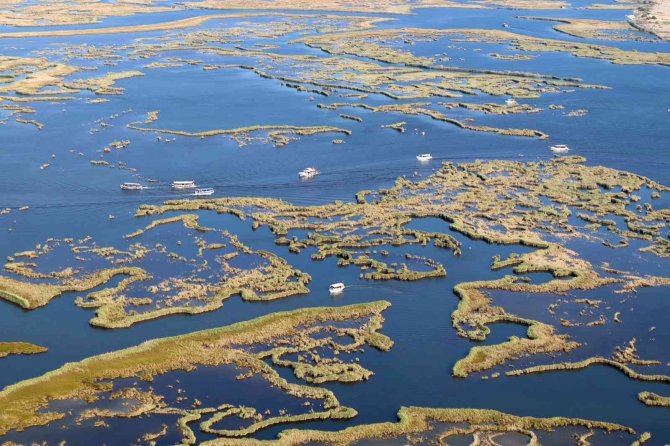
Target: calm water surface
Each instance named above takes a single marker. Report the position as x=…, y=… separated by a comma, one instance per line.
x=627, y=127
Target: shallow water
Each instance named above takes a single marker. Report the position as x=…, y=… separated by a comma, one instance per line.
x=627, y=127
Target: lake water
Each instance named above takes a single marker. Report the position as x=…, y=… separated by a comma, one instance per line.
x=627, y=127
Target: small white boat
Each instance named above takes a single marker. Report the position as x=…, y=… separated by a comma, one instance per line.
x=511, y=102
x=560, y=148
x=183, y=185
x=131, y=186
x=203, y=191
x=424, y=157
x=336, y=288
x=505, y=25
x=308, y=172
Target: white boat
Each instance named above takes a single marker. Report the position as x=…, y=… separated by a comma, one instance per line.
x=560, y=148
x=424, y=157
x=203, y=191
x=183, y=185
x=511, y=102
x=131, y=186
x=336, y=288
x=308, y=172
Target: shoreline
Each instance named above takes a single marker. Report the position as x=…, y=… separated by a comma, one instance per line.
x=653, y=16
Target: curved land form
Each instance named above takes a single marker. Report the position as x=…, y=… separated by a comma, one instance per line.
x=500, y=202
x=244, y=345
x=223, y=267
x=653, y=16
x=594, y=29
x=367, y=43
x=20, y=348
x=439, y=425
x=589, y=237
x=280, y=135
x=369, y=234
x=190, y=22
x=653, y=399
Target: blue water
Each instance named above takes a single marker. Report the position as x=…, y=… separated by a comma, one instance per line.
x=627, y=127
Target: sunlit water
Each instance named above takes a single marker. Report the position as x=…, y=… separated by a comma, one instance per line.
x=627, y=127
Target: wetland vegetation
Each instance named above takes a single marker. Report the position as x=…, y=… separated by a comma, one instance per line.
x=468, y=278
x=242, y=346
x=20, y=348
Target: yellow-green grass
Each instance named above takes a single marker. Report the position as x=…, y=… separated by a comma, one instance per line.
x=418, y=420
x=21, y=403
x=32, y=295
x=20, y=348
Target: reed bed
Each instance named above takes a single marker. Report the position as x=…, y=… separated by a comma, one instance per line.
x=422, y=421
x=20, y=348
x=21, y=404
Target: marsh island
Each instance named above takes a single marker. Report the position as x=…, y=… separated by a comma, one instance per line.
x=294, y=222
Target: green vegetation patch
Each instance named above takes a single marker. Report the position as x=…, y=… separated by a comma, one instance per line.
x=20, y=348
x=340, y=330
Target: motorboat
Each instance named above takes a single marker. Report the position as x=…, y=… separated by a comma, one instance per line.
x=131, y=186
x=336, y=288
x=560, y=148
x=511, y=102
x=424, y=157
x=308, y=172
x=183, y=185
x=203, y=191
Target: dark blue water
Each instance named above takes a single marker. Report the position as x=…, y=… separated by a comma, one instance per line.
x=626, y=127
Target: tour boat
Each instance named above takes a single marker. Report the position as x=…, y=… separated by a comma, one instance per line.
x=183, y=184
x=559, y=148
x=424, y=157
x=203, y=191
x=308, y=172
x=336, y=288
x=131, y=186
x=511, y=102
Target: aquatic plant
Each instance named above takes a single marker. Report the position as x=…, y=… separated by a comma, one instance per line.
x=242, y=344
x=366, y=43
x=653, y=399
x=589, y=362
x=432, y=423
x=500, y=202
x=20, y=348
x=32, y=295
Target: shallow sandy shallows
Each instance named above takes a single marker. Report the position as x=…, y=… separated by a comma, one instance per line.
x=655, y=18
